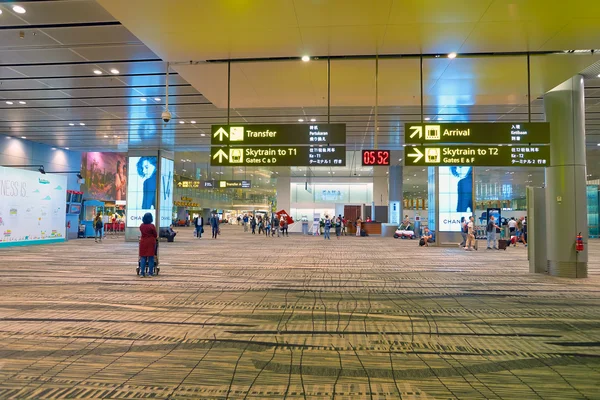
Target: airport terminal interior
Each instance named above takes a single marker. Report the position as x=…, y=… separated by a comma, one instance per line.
x=299, y=199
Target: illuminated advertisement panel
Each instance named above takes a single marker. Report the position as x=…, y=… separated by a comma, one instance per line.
x=455, y=197
x=141, y=189
x=166, y=192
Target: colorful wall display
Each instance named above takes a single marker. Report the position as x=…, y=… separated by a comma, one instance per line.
x=105, y=176
x=32, y=207
x=141, y=189
x=455, y=196
x=166, y=192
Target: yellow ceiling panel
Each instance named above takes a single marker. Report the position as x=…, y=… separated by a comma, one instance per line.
x=342, y=40
x=437, y=11
x=331, y=13
x=425, y=38
x=581, y=33
x=553, y=11
x=511, y=36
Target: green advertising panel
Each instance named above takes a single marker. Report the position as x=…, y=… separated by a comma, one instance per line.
x=478, y=156
x=478, y=133
x=287, y=156
x=280, y=134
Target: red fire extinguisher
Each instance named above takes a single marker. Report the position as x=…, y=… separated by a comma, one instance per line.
x=579, y=243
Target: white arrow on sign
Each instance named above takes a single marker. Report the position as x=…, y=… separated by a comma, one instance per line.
x=221, y=154
x=417, y=130
x=220, y=133
x=417, y=155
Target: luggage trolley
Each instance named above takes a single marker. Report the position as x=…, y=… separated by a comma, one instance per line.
x=156, y=264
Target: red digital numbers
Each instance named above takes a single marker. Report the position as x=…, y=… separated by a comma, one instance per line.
x=376, y=157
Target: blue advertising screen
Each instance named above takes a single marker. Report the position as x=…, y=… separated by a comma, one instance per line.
x=455, y=197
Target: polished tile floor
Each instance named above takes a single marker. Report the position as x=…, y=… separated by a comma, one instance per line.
x=249, y=317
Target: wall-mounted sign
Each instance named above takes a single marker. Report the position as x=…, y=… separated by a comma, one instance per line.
x=265, y=135
x=479, y=156
x=375, y=157
x=189, y=204
x=478, y=132
x=292, y=156
x=234, y=184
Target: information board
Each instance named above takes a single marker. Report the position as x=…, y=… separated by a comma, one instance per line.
x=235, y=184
x=478, y=133
x=141, y=189
x=289, y=156
x=479, y=156
x=32, y=207
x=278, y=134
x=166, y=192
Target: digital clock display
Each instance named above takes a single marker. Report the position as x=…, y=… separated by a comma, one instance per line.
x=375, y=157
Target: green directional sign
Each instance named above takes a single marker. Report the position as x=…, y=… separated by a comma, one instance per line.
x=515, y=133
x=285, y=156
x=278, y=134
x=478, y=156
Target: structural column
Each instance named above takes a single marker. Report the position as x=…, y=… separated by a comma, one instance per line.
x=396, y=195
x=566, y=208
x=380, y=189
x=283, y=189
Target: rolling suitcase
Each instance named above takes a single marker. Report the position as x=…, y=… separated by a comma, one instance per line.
x=502, y=244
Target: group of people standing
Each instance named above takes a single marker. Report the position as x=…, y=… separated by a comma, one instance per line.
x=214, y=225
x=340, y=227
x=266, y=225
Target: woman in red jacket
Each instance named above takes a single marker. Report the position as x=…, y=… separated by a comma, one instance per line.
x=147, y=245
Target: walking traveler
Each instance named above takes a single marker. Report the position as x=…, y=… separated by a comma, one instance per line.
x=358, y=224
x=491, y=233
x=470, y=234
x=267, y=227
x=327, y=229
x=338, y=226
x=463, y=231
x=147, y=249
x=214, y=224
x=253, y=225
x=199, y=225
x=98, y=226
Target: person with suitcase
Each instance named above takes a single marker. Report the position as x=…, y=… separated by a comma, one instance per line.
x=147, y=249
x=491, y=233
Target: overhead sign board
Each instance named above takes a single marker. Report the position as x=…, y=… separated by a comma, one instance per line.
x=290, y=156
x=478, y=132
x=279, y=134
x=234, y=184
x=479, y=156
x=375, y=157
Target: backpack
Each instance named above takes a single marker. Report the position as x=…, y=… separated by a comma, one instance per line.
x=99, y=224
x=422, y=242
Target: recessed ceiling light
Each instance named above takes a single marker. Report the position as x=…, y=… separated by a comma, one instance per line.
x=23, y=137
x=452, y=55
x=82, y=124
x=9, y=103
x=19, y=9
x=305, y=58
x=312, y=120
x=440, y=119
x=71, y=124
x=203, y=134
x=54, y=148
x=143, y=99
x=182, y=122
x=105, y=136
x=116, y=136
x=66, y=148
x=157, y=99
x=0, y=12
x=427, y=119
x=22, y=102
x=114, y=71
x=97, y=72
x=598, y=144
x=300, y=120
x=192, y=122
